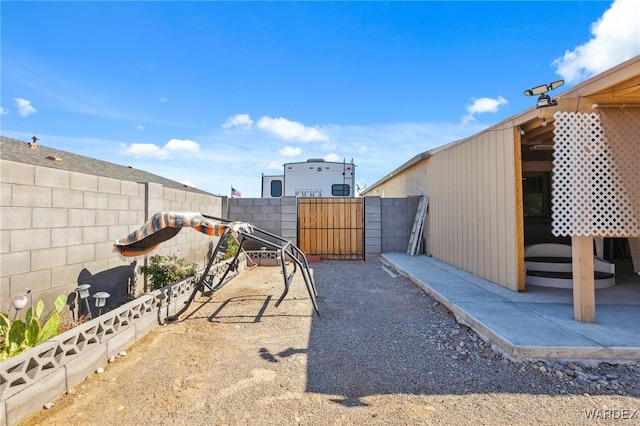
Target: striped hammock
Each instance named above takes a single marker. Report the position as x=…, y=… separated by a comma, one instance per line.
x=165, y=225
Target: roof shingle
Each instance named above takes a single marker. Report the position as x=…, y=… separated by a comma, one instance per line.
x=21, y=152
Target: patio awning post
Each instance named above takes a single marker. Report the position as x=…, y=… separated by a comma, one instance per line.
x=584, y=294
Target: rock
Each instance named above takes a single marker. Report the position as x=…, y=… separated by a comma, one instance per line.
x=122, y=353
x=49, y=405
x=580, y=375
x=100, y=370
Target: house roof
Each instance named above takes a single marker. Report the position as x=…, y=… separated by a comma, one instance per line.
x=617, y=86
x=43, y=156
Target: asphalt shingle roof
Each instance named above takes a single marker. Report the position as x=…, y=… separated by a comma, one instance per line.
x=21, y=152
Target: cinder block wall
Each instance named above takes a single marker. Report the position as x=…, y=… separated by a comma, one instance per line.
x=55, y=223
x=276, y=215
x=373, y=220
x=388, y=221
x=399, y=215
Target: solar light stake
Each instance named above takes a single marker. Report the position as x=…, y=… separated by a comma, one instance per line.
x=83, y=293
x=101, y=299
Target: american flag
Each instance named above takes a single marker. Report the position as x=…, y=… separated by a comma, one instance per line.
x=235, y=193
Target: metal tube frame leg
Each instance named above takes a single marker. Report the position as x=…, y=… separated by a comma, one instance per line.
x=202, y=282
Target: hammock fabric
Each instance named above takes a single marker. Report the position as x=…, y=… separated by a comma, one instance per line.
x=165, y=225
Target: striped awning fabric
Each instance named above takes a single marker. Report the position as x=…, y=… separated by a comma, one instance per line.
x=165, y=225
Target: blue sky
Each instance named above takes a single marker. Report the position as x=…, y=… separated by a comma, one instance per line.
x=212, y=94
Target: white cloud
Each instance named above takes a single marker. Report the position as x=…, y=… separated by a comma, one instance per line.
x=154, y=151
x=486, y=105
x=163, y=99
x=616, y=38
x=182, y=145
x=272, y=165
x=387, y=145
x=291, y=130
x=289, y=151
x=239, y=121
x=24, y=107
x=4, y=111
x=332, y=157
x=482, y=105
x=145, y=150
x=139, y=127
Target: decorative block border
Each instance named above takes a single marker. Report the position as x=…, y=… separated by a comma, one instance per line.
x=35, y=377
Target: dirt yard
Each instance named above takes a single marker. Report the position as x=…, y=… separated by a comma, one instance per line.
x=382, y=352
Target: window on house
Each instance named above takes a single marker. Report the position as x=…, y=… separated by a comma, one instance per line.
x=340, y=190
x=536, y=195
x=276, y=188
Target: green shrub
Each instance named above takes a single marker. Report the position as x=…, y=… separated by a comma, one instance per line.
x=232, y=247
x=17, y=336
x=164, y=270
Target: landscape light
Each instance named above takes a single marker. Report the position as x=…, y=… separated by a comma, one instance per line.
x=101, y=299
x=83, y=293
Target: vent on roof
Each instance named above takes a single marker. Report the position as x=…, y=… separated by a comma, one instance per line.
x=55, y=159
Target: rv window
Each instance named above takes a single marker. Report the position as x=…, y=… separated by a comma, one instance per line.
x=276, y=188
x=340, y=190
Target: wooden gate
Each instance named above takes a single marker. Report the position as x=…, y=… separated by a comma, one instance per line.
x=331, y=227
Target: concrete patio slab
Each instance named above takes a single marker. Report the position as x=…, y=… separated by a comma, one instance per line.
x=537, y=323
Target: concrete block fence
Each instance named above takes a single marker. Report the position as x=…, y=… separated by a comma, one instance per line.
x=31, y=379
x=56, y=224
x=388, y=221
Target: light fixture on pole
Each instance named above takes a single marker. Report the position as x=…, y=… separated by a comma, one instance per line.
x=521, y=131
x=83, y=293
x=20, y=302
x=101, y=299
x=544, y=100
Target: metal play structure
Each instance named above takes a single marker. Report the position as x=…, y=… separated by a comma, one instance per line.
x=165, y=225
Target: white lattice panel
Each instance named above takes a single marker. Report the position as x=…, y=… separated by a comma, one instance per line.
x=589, y=197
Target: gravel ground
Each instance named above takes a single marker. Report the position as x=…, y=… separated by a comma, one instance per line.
x=382, y=352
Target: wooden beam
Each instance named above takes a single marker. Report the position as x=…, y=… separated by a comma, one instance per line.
x=584, y=294
x=517, y=149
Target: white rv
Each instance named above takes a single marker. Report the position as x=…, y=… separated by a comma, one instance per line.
x=312, y=178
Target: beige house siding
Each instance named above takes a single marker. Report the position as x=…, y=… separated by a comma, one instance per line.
x=407, y=182
x=55, y=223
x=472, y=206
x=474, y=218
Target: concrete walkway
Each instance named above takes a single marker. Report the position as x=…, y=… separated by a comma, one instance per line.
x=537, y=323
